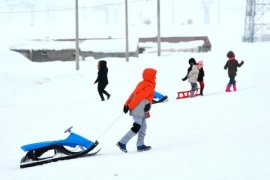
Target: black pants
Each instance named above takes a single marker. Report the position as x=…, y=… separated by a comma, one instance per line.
x=101, y=91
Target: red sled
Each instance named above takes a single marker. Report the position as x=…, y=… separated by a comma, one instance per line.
x=186, y=94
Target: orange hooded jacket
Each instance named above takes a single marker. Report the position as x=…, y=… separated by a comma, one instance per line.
x=144, y=90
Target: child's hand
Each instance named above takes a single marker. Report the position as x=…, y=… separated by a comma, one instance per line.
x=125, y=109
x=147, y=107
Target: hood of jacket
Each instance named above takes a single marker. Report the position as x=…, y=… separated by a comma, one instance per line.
x=149, y=75
x=102, y=64
x=144, y=91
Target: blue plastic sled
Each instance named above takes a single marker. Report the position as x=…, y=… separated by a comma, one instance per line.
x=72, y=147
x=158, y=98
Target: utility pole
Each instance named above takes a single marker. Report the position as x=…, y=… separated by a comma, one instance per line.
x=173, y=15
x=158, y=28
x=206, y=6
x=218, y=13
x=77, y=35
x=126, y=15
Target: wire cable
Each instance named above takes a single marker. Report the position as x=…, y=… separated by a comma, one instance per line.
x=110, y=126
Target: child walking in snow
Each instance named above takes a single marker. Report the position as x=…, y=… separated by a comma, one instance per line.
x=190, y=61
x=192, y=76
x=139, y=104
x=200, y=76
x=232, y=65
x=102, y=79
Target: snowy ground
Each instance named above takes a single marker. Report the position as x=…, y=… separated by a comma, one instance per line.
x=220, y=136
x=214, y=137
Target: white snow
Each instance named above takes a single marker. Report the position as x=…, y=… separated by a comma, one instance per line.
x=220, y=136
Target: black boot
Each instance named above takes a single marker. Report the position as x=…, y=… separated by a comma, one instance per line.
x=101, y=96
x=143, y=148
x=201, y=92
x=107, y=94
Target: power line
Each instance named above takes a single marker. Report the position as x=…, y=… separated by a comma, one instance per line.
x=67, y=9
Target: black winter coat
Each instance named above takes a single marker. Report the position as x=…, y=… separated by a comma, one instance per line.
x=201, y=74
x=102, y=77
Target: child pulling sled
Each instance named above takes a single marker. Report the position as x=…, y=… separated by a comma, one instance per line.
x=139, y=104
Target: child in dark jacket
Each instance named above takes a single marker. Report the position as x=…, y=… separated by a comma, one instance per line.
x=232, y=65
x=201, y=76
x=102, y=79
x=139, y=105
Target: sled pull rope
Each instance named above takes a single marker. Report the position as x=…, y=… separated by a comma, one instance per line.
x=110, y=126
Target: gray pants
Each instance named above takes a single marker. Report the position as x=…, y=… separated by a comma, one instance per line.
x=194, y=86
x=193, y=89
x=141, y=133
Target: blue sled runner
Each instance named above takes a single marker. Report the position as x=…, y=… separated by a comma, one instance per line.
x=73, y=146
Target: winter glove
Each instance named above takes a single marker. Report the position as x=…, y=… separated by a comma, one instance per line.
x=147, y=107
x=126, y=109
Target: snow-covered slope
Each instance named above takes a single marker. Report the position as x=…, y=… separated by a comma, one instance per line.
x=217, y=136
x=220, y=136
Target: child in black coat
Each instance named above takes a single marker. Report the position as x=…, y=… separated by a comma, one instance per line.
x=102, y=79
x=200, y=76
